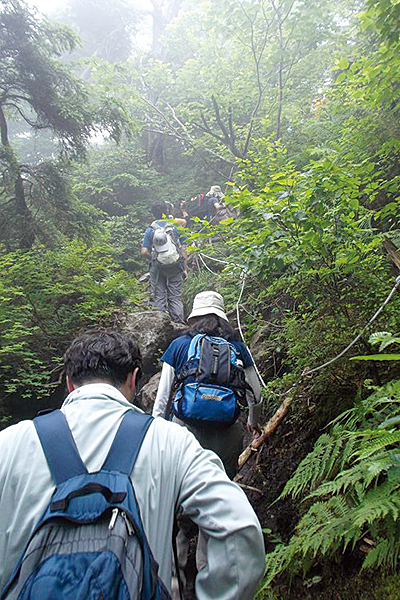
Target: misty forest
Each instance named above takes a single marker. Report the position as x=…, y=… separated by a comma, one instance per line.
x=292, y=107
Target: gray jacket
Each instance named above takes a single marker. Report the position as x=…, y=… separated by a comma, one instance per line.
x=172, y=471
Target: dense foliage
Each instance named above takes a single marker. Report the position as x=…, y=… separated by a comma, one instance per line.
x=350, y=486
x=48, y=296
x=293, y=108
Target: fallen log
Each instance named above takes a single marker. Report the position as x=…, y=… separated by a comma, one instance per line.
x=266, y=431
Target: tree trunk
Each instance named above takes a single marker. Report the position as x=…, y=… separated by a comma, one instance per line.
x=22, y=216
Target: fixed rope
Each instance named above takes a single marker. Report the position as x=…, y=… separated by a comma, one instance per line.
x=308, y=372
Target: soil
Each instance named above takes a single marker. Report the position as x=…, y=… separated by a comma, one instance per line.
x=268, y=471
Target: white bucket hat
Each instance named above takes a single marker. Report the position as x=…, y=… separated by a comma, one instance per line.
x=215, y=191
x=207, y=303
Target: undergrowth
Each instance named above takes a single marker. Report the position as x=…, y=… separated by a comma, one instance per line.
x=350, y=489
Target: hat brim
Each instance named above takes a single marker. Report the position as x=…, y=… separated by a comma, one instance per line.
x=200, y=312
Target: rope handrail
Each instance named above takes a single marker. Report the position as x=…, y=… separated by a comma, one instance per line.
x=306, y=371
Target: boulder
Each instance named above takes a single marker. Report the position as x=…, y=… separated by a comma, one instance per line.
x=154, y=332
x=148, y=393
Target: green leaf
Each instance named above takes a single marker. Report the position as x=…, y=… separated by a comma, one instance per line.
x=343, y=63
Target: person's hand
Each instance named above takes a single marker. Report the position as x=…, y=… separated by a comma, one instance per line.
x=255, y=430
x=185, y=274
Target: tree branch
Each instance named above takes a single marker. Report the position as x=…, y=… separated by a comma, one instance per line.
x=267, y=431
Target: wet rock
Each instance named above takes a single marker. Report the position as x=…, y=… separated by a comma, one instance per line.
x=148, y=393
x=154, y=332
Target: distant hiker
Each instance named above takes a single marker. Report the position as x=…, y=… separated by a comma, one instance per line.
x=197, y=206
x=171, y=473
x=169, y=209
x=180, y=211
x=215, y=199
x=207, y=375
x=163, y=245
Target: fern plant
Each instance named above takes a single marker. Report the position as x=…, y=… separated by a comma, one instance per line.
x=350, y=484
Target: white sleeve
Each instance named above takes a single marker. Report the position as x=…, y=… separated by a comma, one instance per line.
x=235, y=552
x=164, y=390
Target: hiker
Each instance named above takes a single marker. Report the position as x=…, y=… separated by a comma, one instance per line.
x=215, y=199
x=196, y=207
x=208, y=317
x=180, y=212
x=183, y=367
x=102, y=369
x=163, y=245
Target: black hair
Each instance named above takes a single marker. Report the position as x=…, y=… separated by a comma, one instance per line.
x=106, y=355
x=158, y=209
x=212, y=325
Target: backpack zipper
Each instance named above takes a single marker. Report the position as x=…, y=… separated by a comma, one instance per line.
x=128, y=524
x=114, y=517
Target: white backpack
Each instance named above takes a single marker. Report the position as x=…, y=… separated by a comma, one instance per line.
x=167, y=250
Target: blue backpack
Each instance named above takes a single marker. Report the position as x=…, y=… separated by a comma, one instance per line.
x=211, y=384
x=90, y=543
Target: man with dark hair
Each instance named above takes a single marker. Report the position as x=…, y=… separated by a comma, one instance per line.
x=172, y=474
x=163, y=245
x=106, y=355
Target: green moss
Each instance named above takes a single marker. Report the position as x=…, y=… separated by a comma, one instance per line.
x=390, y=589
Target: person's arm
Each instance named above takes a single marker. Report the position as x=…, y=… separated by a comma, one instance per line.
x=145, y=252
x=234, y=552
x=164, y=391
x=185, y=263
x=147, y=243
x=180, y=222
x=253, y=400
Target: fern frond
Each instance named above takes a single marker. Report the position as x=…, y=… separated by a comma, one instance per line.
x=332, y=460
x=377, y=504
x=375, y=440
x=378, y=556
x=385, y=553
x=321, y=462
x=323, y=529
x=348, y=451
x=361, y=474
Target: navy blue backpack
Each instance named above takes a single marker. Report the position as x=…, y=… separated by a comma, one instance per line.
x=211, y=385
x=90, y=543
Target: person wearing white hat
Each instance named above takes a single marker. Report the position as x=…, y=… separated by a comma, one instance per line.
x=215, y=199
x=208, y=317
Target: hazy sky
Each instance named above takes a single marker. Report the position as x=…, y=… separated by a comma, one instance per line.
x=45, y=6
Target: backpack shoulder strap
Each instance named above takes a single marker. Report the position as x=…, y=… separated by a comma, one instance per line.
x=154, y=225
x=127, y=442
x=188, y=369
x=59, y=446
x=192, y=350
